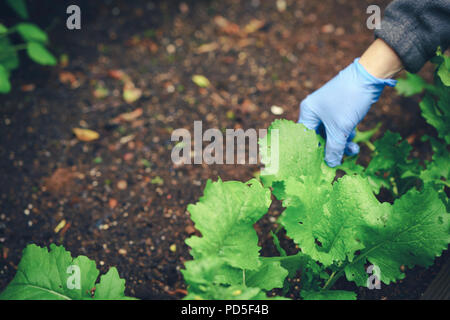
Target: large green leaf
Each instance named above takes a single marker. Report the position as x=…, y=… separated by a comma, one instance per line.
x=46, y=275
x=298, y=152
x=38, y=53
x=225, y=216
x=416, y=230
x=31, y=32
x=5, y=85
x=327, y=223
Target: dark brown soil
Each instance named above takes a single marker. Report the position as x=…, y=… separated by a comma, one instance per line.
x=107, y=190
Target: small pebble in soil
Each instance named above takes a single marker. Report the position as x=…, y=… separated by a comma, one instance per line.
x=276, y=110
x=122, y=185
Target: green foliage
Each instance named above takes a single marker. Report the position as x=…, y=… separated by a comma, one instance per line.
x=339, y=225
x=39, y=54
x=391, y=165
x=227, y=264
x=19, y=6
x=329, y=295
x=35, y=41
x=435, y=105
x=45, y=275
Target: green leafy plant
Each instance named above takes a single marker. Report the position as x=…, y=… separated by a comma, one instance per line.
x=391, y=165
x=340, y=227
x=435, y=104
x=48, y=275
x=35, y=45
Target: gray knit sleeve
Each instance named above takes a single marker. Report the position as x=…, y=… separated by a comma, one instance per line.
x=415, y=28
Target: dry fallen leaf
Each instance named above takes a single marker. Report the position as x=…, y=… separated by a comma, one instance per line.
x=118, y=75
x=28, y=87
x=67, y=77
x=254, y=25
x=208, y=47
x=201, y=81
x=131, y=93
x=226, y=26
x=129, y=116
x=247, y=106
x=60, y=225
x=85, y=134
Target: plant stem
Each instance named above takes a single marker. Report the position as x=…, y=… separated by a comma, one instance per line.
x=328, y=281
x=370, y=146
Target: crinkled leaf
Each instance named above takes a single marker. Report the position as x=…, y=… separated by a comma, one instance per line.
x=416, y=230
x=225, y=216
x=437, y=114
x=297, y=152
x=390, y=161
x=326, y=223
x=47, y=275
x=31, y=32
x=391, y=152
x=411, y=85
x=111, y=287
x=437, y=170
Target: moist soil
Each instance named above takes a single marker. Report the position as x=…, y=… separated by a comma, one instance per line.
x=120, y=200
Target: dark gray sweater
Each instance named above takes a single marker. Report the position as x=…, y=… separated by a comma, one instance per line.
x=415, y=28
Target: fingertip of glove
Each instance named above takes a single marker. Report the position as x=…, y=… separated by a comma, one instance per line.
x=351, y=149
x=333, y=163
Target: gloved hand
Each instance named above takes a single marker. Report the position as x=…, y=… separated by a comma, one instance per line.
x=340, y=105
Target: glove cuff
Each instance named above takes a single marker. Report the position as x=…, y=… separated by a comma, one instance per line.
x=371, y=78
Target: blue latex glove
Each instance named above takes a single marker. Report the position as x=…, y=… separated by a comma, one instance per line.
x=339, y=106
